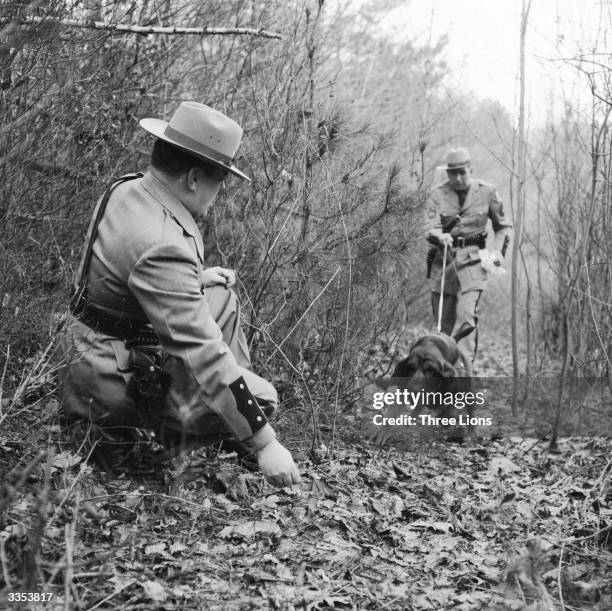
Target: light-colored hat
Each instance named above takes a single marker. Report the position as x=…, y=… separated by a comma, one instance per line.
x=202, y=131
x=456, y=159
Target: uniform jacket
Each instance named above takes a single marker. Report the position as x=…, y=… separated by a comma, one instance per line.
x=146, y=264
x=464, y=272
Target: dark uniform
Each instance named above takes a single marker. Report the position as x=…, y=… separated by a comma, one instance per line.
x=145, y=268
x=154, y=340
x=465, y=278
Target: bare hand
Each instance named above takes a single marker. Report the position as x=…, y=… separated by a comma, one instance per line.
x=277, y=466
x=446, y=238
x=213, y=276
x=497, y=258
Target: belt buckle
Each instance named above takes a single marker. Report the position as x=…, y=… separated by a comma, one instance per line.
x=460, y=242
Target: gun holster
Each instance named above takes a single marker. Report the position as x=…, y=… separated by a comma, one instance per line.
x=431, y=255
x=149, y=383
x=448, y=223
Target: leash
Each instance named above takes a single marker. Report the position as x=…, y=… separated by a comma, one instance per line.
x=439, y=328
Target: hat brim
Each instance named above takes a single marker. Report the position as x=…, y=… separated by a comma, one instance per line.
x=157, y=127
x=461, y=166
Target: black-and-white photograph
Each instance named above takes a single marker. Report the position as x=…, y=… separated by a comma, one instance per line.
x=306, y=305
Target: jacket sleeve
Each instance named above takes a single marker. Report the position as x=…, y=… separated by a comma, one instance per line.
x=501, y=224
x=165, y=281
x=433, y=221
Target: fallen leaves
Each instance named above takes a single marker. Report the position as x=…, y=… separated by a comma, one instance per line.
x=248, y=530
x=155, y=591
x=501, y=466
x=65, y=460
x=436, y=527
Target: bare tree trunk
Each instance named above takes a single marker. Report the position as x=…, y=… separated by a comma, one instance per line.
x=308, y=118
x=520, y=207
x=576, y=293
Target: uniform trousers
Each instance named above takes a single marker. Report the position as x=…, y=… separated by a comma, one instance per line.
x=94, y=382
x=459, y=318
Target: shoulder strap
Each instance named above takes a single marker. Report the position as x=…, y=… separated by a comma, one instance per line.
x=79, y=295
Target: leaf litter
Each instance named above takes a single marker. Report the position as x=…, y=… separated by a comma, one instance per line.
x=502, y=524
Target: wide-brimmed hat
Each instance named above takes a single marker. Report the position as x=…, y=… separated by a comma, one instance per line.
x=457, y=159
x=202, y=131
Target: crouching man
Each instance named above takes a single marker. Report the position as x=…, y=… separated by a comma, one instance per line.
x=154, y=341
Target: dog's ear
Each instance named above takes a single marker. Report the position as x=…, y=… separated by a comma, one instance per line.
x=405, y=368
x=447, y=370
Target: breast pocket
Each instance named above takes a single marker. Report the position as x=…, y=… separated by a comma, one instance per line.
x=482, y=221
x=446, y=220
x=475, y=223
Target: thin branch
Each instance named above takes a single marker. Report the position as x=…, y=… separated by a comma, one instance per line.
x=302, y=316
x=48, y=97
x=592, y=309
x=146, y=30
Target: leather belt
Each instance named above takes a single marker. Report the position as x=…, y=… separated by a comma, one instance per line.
x=479, y=240
x=135, y=332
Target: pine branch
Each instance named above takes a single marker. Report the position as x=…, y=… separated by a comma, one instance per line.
x=146, y=30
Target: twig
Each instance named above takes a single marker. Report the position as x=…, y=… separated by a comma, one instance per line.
x=6, y=361
x=147, y=495
x=82, y=468
x=92, y=575
x=146, y=30
x=49, y=97
x=70, y=534
x=5, y=572
x=586, y=537
x=533, y=445
x=36, y=532
x=592, y=310
x=297, y=371
x=33, y=375
x=118, y=591
x=559, y=585
x=264, y=330
x=280, y=231
x=304, y=314
x=602, y=477
x=25, y=473
x=346, y=327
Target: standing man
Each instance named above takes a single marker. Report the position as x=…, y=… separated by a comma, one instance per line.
x=154, y=340
x=458, y=210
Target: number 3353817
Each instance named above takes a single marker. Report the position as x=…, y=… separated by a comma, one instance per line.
x=29, y=597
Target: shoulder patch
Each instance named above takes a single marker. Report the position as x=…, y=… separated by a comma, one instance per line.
x=482, y=183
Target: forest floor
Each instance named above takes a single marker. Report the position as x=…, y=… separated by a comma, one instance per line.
x=499, y=522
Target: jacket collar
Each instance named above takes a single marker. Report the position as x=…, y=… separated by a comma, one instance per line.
x=474, y=188
x=174, y=207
